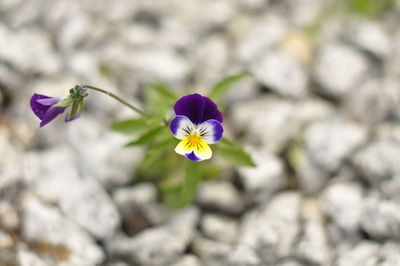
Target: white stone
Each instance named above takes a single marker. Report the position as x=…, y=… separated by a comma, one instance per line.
x=338, y=69
x=266, y=178
x=46, y=223
x=219, y=228
x=281, y=73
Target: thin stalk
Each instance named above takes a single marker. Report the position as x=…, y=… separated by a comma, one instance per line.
x=116, y=97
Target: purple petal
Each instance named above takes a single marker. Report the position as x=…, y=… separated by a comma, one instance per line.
x=211, y=131
x=181, y=127
x=49, y=101
x=211, y=111
x=39, y=109
x=51, y=113
x=191, y=156
x=197, y=108
x=68, y=117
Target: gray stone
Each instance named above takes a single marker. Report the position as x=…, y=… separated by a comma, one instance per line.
x=161, y=64
x=28, y=258
x=211, y=58
x=9, y=217
x=389, y=254
x=375, y=100
x=334, y=79
x=219, y=228
x=381, y=218
x=6, y=241
x=221, y=196
x=343, y=203
x=85, y=201
x=29, y=50
x=311, y=176
x=243, y=255
x=160, y=245
x=281, y=73
x=313, y=244
x=42, y=223
x=276, y=115
x=10, y=156
x=272, y=231
x=365, y=253
x=330, y=142
x=369, y=36
x=101, y=152
x=378, y=161
x=253, y=5
x=311, y=109
x=187, y=260
x=290, y=262
x=266, y=178
x=258, y=36
x=302, y=13
x=211, y=253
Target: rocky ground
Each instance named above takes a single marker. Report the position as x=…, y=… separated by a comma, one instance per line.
x=320, y=117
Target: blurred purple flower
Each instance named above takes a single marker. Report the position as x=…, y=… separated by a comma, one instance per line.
x=46, y=109
x=197, y=123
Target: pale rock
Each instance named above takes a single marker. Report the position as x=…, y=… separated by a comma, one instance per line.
x=378, y=161
x=266, y=178
x=343, y=203
x=313, y=244
x=330, y=142
x=370, y=36
x=29, y=50
x=274, y=114
x=272, y=230
x=85, y=201
x=160, y=245
x=338, y=69
x=210, y=252
x=162, y=64
x=219, y=228
x=381, y=218
x=28, y=258
x=221, y=196
x=259, y=36
x=282, y=73
x=187, y=260
x=6, y=241
x=365, y=253
x=46, y=223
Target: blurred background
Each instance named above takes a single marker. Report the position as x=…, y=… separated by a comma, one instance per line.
x=320, y=117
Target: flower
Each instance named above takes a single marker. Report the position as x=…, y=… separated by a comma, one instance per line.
x=197, y=123
x=48, y=108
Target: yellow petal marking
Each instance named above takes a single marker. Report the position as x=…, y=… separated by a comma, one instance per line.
x=196, y=144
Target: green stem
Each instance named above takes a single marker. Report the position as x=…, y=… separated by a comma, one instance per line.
x=116, y=97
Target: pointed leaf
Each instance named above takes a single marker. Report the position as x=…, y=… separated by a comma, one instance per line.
x=130, y=126
x=147, y=137
x=234, y=153
x=225, y=84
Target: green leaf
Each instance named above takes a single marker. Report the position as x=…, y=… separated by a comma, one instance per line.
x=130, y=126
x=164, y=91
x=233, y=153
x=155, y=154
x=225, y=84
x=190, y=183
x=147, y=137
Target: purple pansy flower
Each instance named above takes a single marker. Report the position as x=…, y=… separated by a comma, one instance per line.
x=46, y=108
x=197, y=123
